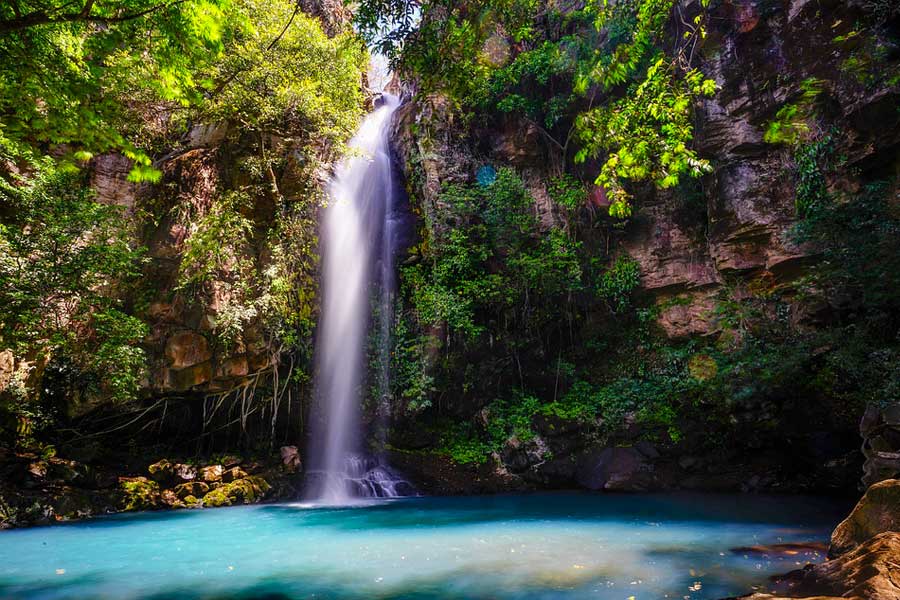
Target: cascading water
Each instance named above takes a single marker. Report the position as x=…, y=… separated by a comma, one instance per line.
x=358, y=249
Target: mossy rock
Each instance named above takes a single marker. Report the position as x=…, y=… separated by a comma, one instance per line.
x=191, y=502
x=241, y=491
x=138, y=493
x=192, y=488
x=161, y=471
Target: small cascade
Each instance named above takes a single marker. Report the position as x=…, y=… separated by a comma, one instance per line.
x=361, y=476
x=358, y=250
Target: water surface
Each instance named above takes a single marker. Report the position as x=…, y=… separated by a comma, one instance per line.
x=543, y=546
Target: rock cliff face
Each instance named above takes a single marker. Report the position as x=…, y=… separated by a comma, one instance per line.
x=728, y=238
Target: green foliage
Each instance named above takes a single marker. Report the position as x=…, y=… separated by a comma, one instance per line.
x=646, y=133
x=118, y=360
x=81, y=63
x=283, y=75
x=62, y=257
x=448, y=49
x=568, y=192
x=411, y=377
x=463, y=444
x=619, y=282
x=522, y=86
x=812, y=192
x=791, y=123
x=488, y=258
x=858, y=240
x=218, y=243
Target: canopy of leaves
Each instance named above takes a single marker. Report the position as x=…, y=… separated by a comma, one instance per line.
x=69, y=71
x=283, y=75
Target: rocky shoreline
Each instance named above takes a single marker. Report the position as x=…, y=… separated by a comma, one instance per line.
x=37, y=490
x=864, y=555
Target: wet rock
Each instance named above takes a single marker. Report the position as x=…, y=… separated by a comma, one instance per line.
x=162, y=471
x=139, y=493
x=878, y=511
x=170, y=499
x=290, y=458
x=192, y=488
x=184, y=473
x=647, y=449
x=233, y=474
x=242, y=491
x=212, y=473
x=688, y=462
x=189, y=377
x=870, y=572
x=109, y=180
x=233, y=368
x=616, y=469
x=66, y=471
x=880, y=429
x=810, y=549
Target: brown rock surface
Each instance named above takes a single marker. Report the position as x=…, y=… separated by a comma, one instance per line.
x=877, y=512
x=186, y=348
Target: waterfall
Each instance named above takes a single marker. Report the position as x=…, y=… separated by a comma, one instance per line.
x=358, y=248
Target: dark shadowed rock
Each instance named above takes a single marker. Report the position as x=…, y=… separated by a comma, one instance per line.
x=880, y=429
x=616, y=469
x=162, y=471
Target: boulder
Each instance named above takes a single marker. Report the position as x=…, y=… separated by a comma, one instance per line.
x=880, y=430
x=290, y=458
x=192, y=488
x=870, y=572
x=878, y=511
x=170, y=499
x=241, y=491
x=212, y=473
x=66, y=471
x=138, y=493
x=189, y=377
x=616, y=469
x=161, y=471
x=184, y=473
x=233, y=474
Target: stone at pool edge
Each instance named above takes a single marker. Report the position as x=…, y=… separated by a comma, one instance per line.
x=870, y=572
x=877, y=511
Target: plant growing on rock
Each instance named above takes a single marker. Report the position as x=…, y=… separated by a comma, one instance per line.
x=64, y=261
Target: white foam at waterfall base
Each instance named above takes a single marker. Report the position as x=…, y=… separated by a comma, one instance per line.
x=357, y=254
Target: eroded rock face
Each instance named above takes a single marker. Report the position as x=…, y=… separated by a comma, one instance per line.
x=186, y=349
x=880, y=430
x=877, y=512
x=109, y=180
x=869, y=572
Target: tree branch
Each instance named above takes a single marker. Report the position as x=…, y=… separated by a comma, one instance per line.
x=41, y=17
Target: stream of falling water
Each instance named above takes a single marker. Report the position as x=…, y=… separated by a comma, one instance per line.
x=358, y=249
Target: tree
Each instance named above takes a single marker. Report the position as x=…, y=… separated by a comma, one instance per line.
x=64, y=259
x=71, y=71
